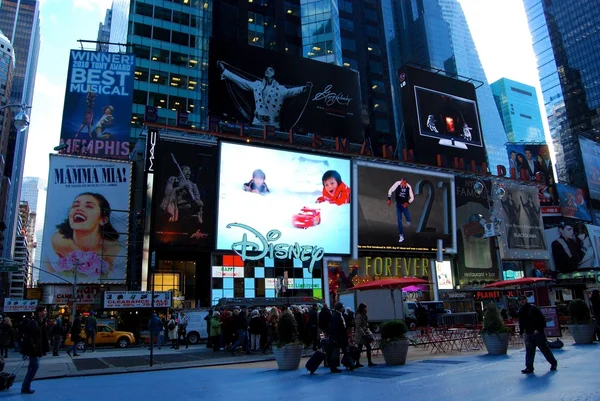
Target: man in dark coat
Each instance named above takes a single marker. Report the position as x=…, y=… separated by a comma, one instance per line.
x=35, y=346
x=75, y=335
x=338, y=337
x=313, y=326
x=325, y=319
x=531, y=324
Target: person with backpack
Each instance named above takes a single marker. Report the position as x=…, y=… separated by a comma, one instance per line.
x=34, y=345
x=532, y=323
x=155, y=326
x=172, y=327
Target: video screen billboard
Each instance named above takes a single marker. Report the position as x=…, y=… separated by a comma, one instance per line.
x=304, y=197
x=441, y=118
x=97, y=112
x=405, y=209
x=590, y=153
x=185, y=192
x=256, y=86
x=532, y=163
x=475, y=259
x=572, y=203
x=574, y=246
x=86, y=228
x=522, y=221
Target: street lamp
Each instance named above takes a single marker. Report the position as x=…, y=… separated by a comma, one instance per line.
x=21, y=119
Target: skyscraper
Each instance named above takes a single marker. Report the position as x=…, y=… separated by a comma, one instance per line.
x=104, y=32
x=29, y=192
x=565, y=35
x=22, y=28
x=435, y=34
x=519, y=109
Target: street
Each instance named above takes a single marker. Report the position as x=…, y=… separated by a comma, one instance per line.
x=472, y=376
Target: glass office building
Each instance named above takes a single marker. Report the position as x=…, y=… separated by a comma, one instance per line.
x=565, y=35
x=519, y=110
x=321, y=31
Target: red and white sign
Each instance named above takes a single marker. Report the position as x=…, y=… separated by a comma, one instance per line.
x=227, y=271
x=20, y=305
x=136, y=299
x=551, y=211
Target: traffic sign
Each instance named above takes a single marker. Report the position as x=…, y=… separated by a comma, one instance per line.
x=8, y=266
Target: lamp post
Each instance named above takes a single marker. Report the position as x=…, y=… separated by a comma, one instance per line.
x=21, y=119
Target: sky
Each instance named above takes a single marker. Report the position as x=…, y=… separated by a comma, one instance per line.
x=503, y=52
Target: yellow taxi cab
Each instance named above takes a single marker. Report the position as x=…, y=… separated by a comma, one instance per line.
x=106, y=335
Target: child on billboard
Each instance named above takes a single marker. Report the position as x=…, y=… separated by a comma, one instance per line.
x=334, y=189
x=257, y=184
x=404, y=196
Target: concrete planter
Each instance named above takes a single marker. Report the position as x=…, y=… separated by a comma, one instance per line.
x=582, y=333
x=395, y=352
x=497, y=343
x=288, y=357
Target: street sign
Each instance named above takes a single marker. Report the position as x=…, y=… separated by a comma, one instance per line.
x=8, y=266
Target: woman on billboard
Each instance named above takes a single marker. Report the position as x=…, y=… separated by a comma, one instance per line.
x=86, y=239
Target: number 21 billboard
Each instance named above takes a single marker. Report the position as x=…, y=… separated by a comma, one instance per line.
x=404, y=209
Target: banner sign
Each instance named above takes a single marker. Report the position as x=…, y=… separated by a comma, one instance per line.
x=136, y=299
x=475, y=262
x=252, y=85
x=574, y=246
x=572, y=203
x=97, y=111
x=590, y=153
x=552, y=328
x=20, y=305
x=87, y=221
x=406, y=209
x=522, y=221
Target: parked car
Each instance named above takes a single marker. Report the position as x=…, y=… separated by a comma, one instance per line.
x=106, y=335
x=307, y=217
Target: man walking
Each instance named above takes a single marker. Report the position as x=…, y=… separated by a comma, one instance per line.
x=403, y=193
x=35, y=346
x=532, y=323
x=182, y=325
x=155, y=326
x=91, y=329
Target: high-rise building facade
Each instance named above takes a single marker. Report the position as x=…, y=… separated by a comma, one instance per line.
x=434, y=34
x=519, y=109
x=29, y=192
x=321, y=39
x=20, y=22
x=18, y=280
x=104, y=32
x=565, y=34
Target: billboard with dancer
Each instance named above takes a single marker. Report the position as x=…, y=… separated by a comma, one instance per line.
x=251, y=85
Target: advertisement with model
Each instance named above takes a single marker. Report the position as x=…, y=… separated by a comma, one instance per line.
x=475, y=257
x=590, y=153
x=523, y=236
x=97, y=111
x=282, y=204
x=574, y=246
x=531, y=162
x=572, y=202
x=404, y=209
x=86, y=230
x=441, y=119
x=251, y=85
x=184, y=194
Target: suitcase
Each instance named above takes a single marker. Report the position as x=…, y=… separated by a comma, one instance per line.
x=557, y=344
x=315, y=361
x=354, y=352
x=8, y=379
x=348, y=361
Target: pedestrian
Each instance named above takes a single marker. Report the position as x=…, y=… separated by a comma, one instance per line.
x=208, y=320
x=172, y=327
x=595, y=301
x=325, y=319
x=362, y=334
x=255, y=327
x=75, y=335
x=313, y=326
x=91, y=329
x=6, y=336
x=35, y=346
x=215, y=331
x=182, y=325
x=338, y=337
x=531, y=324
x=155, y=326
x=56, y=332
x=241, y=326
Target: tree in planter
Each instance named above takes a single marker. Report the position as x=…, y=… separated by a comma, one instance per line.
x=582, y=328
x=580, y=312
x=287, y=329
x=393, y=330
x=492, y=321
x=394, y=344
x=288, y=351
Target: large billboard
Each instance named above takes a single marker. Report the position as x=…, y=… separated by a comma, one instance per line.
x=86, y=229
x=283, y=204
x=97, y=111
x=523, y=236
x=441, y=119
x=184, y=194
x=590, y=153
x=572, y=202
x=475, y=256
x=574, y=246
x=404, y=209
x=251, y=85
x=530, y=162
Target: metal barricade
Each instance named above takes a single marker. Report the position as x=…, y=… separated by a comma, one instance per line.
x=457, y=319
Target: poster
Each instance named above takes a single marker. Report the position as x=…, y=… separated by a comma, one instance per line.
x=405, y=209
x=136, y=299
x=574, y=246
x=86, y=230
x=590, y=154
x=529, y=162
x=523, y=236
x=19, y=305
x=251, y=85
x=184, y=195
x=475, y=260
x=97, y=111
x=572, y=203
x=297, y=202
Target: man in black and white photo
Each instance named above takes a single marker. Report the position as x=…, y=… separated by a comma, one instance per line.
x=269, y=94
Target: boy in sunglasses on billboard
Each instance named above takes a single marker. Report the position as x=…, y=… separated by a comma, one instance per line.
x=404, y=196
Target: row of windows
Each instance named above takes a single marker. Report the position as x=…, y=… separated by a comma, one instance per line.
x=164, y=35
x=169, y=57
x=162, y=100
x=164, y=14
x=165, y=78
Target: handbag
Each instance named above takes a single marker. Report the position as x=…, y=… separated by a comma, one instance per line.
x=367, y=339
